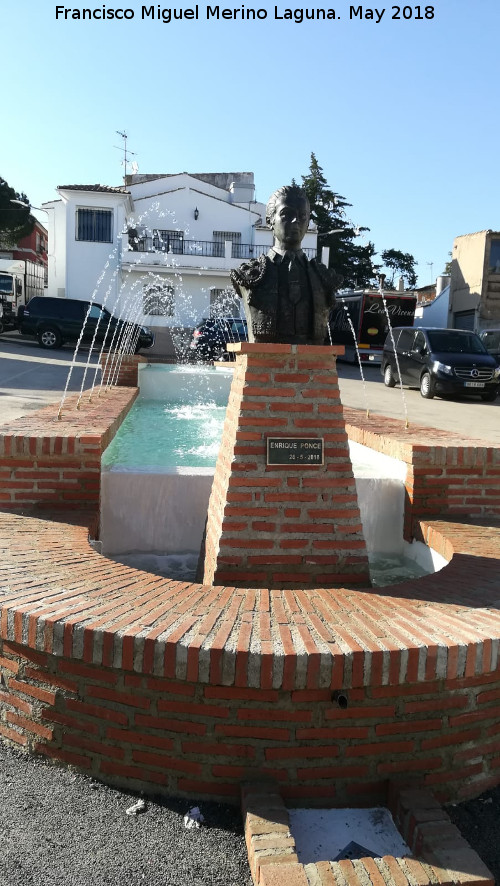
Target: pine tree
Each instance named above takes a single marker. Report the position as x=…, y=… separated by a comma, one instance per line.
x=447, y=267
x=15, y=221
x=352, y=261
x=402, y=263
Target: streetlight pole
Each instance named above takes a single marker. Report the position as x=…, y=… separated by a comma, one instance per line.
x=29, y=206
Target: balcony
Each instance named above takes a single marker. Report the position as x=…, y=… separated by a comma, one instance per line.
x=177, y=252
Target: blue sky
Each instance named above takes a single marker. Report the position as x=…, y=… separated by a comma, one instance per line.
x=401, y=114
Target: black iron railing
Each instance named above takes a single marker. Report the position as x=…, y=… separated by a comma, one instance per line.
x=201, y=248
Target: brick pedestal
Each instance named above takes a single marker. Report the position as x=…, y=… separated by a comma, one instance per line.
x=294, y=525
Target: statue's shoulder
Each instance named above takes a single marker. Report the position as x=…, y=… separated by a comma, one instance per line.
x=330, y=280
x=250, y=273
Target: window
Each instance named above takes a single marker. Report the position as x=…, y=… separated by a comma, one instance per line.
x=73, y=310
x=220, y=238
x=419, y=344
x=6, y=281
x=405, y=342
x=158, y=299
x=495, y=256
x=455, y=341
x=94, y=225
x=40, y=243
x=97, y=313
x=491, y=340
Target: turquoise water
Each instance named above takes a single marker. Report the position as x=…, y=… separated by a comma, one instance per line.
x=390, y=570
x=163, y=434
x=167, y=435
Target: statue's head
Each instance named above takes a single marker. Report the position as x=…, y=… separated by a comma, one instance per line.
x=288, y=213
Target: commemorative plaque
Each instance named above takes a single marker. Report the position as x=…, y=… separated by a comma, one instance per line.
x=295, y=451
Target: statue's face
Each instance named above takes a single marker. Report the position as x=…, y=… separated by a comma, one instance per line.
x=291, y=220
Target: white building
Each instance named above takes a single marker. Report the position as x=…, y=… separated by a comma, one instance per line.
x=161, y=249
x=435, y=312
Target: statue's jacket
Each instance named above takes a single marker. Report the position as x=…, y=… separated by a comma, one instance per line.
x=256, y=282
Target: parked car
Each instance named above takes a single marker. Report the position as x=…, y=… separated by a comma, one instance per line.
x=440, y=361
x=491, y=340
x=211, y=336
x=55, y=321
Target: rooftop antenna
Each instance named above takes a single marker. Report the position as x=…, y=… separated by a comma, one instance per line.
x=126, y=154
x=431, y=265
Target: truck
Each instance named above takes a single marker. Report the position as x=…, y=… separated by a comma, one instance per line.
x=360, y=321
x=20, y=280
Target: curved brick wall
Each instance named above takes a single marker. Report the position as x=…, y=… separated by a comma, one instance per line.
x=187, y=689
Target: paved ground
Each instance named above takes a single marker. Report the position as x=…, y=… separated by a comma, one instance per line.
x=62, y=829
x=59, y=828
x=31, y=377
x=470, y=416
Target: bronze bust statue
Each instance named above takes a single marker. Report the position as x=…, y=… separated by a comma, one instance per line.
x=287, y=297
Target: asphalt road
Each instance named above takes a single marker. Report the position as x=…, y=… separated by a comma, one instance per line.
x=31, y=377
x=470, y=417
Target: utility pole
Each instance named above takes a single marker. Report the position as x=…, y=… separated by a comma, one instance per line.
x=431, y=265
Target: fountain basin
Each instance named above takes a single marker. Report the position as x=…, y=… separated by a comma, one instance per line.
x=172, y=687
x=158, y=470
x=164, y=513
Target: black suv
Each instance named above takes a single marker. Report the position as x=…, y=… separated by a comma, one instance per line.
x=55, y=321
x=440, y=361
x=211, y=336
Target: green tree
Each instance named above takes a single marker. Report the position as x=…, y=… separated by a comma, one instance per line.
x=447, y=267
x=401, y=263
x=15, y=221
x=354, y=262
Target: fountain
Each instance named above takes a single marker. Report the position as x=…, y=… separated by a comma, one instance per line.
x=149, y=526
x=166, y=451
x=338, y=691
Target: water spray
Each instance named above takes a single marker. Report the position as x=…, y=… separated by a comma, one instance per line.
x=381, y=279
x=75, y=352
x=358, y=355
